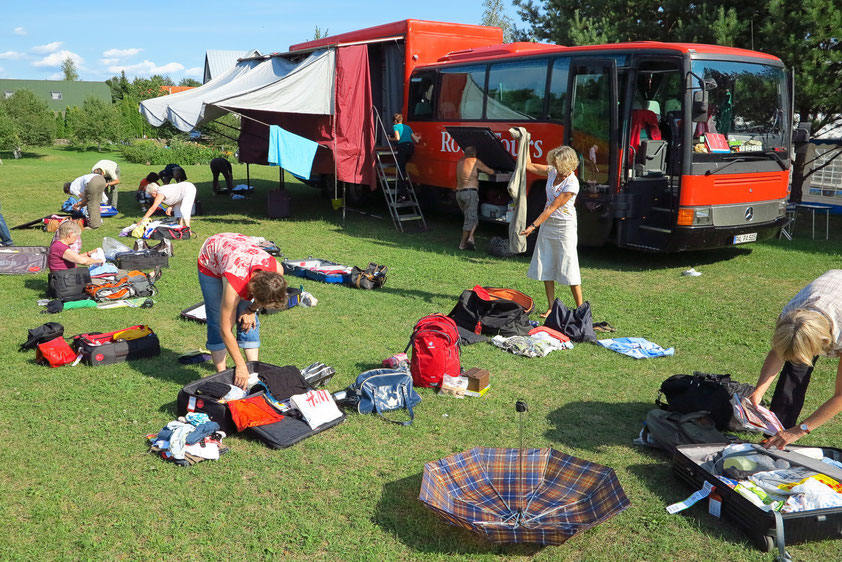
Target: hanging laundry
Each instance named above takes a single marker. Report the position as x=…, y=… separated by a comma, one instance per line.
x=638, y=348
x=291, y=152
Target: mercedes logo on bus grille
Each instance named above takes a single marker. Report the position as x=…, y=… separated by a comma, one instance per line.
x=749, y=214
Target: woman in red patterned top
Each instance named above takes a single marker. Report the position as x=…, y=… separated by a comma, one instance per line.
x=237, y=278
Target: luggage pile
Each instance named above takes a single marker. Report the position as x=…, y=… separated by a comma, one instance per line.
x=325, y=271
x=188, y=440
x=53, y=350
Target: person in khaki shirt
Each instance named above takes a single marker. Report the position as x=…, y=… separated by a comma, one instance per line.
x=467, y=193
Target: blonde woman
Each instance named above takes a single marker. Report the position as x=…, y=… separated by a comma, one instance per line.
x=555, y=259
x=809, y=326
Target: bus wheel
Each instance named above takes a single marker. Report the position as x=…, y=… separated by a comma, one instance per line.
x=536, y=200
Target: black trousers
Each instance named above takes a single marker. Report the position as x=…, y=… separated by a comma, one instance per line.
x=788, y=399
x=404, y=152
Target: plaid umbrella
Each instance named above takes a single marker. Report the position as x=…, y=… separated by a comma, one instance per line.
x=521, y=495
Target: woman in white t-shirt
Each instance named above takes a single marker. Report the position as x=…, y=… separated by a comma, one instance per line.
x=555, y=259
x=182, y=194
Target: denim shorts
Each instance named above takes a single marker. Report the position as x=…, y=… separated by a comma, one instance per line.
x=212, y=293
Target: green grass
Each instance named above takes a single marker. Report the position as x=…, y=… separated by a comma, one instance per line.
x=76, y=482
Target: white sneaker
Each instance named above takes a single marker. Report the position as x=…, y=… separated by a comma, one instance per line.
x=691, y=273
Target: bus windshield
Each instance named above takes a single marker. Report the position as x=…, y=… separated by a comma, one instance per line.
x=747, y=109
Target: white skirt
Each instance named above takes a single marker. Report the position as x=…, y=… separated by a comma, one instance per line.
x=555, y=257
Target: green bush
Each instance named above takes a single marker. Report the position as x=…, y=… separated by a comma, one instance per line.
x=179, y=152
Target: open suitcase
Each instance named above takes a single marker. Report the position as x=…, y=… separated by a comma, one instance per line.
x=759, y=525
x=22, y=260
x=105, y=349
x=278, y=435
x=141, y=260
x=318, y=270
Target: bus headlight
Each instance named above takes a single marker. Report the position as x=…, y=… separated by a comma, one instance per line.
x=781, y=207
x=699, y=216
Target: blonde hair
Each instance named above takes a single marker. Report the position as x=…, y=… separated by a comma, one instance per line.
x=801, y=335
x=68, y=227
x=564, y=159
x=152, y=189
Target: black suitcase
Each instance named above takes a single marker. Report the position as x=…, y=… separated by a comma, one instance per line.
x=23, y=260
x=141, y=260
x=288, y=431
x=68, y=284
x=759, y=525
x=100, y=349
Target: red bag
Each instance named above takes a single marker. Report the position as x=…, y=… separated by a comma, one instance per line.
x=55, y=353
x=435, y=350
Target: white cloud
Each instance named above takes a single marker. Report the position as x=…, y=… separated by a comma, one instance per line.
x=121, y=52
x=20, y=31
x=56, y=59
x=107, y=62
x=56, y=76
x=48, y=48
x=11, y=55
x=147, y=68
x=195, y=71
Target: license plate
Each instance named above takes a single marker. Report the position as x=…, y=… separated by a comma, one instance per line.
x=743, y=238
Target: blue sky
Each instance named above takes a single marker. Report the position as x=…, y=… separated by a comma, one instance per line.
x=171, y=38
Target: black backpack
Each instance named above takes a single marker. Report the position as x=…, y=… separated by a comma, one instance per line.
x=490, y=317
x=702, y=392
x=41, y=334
x=68, y=284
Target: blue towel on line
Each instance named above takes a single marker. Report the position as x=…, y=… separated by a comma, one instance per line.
x=291, y=152
x=638, y=348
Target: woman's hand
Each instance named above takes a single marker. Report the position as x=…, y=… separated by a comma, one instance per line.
x=241, y=377
x=247, y=321
x=783, y=438
x=755, y=399
x=528, y=230
x=169, y=211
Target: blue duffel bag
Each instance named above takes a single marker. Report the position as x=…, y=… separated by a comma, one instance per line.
x=383, y=390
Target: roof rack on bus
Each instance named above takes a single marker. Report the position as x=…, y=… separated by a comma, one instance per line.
x=496, y=50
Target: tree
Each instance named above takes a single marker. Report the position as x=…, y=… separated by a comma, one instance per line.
x=9, y=138
x=320, y=33
x=98, y=123
x=68, y=67
x=61, y=132
x=804, y=35
x=493, y=15
x=34, y=122
x=192, y=82
x=120, y=86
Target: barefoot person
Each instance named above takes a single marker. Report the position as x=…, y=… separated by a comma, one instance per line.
x=555, y=259
x=809, y=326
x=467, y=193
x=237, y=278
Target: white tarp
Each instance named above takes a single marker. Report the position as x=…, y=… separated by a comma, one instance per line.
x=273, y=84
x=189, y=102
x=308, y=89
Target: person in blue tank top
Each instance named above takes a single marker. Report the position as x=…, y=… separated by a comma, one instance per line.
x=404, y=137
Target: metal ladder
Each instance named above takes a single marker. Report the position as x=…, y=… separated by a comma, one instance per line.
x=390, y=175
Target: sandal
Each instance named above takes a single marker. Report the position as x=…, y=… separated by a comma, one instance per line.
x=603, y=327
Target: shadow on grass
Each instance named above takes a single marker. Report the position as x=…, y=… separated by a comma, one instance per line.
x=401, y=514
x=38, y=285
x=608, y=424
x=166, y=367
x=7, y=155
x=426, y=296
x=659, y=480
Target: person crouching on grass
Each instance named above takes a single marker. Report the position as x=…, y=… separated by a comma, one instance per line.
x=62, y=255
x=182, y=194
x=237, y=278
x=555, y=259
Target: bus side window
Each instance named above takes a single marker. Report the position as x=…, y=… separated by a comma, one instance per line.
x=421, y=88
x=461, y=93
x=516, y=90
x=558, y=89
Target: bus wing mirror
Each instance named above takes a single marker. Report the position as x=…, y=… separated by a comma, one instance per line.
x=800, y=135
x=700, y=106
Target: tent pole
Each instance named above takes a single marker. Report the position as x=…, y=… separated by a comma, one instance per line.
x=281, y=183
x=248, y=176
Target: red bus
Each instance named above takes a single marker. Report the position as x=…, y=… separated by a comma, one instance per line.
x=682, y=146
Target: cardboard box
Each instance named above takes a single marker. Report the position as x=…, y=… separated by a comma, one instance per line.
x=478, y=379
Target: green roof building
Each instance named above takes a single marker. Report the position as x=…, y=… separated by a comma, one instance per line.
x=59, y=94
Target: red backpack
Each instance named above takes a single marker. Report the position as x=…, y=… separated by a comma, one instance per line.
x=435, y=350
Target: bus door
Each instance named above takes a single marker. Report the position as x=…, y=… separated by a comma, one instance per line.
x=592, y=132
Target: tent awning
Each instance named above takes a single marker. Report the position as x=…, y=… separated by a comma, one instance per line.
x=245, y=87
